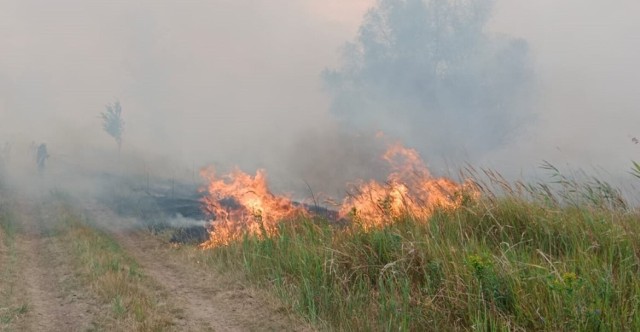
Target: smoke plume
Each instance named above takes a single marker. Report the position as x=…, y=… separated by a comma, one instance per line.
x=428, y=72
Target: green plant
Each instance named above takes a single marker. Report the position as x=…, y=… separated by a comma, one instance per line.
x=635, y=170
x=533, y=257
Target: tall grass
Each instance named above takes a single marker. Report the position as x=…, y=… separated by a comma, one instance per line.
x=558, y=256
x=12, y=305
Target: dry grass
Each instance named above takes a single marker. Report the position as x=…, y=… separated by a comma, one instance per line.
x=133, y=299
x=525, y=257
x=11, y=304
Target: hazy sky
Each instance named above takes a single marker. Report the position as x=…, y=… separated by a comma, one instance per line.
x=585, y=56
x=238, y=82
x=198, y=75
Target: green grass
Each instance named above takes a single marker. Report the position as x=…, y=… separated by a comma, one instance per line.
x=9, y=314
x=11, y=307
x=557, y=257
x=113, y=276
x=8, y=226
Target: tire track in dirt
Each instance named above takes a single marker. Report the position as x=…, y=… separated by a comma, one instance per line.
x=55, y=301
x=210, y=301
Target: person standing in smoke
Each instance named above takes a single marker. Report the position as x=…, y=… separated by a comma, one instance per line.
x=5, y=155
x=7, y=152
x=41, y=157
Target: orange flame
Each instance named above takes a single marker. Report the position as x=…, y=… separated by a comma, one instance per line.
x=250, y=207
x=243, y=204
x=410, y=190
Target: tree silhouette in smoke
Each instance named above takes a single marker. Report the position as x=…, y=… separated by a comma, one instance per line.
x=428, y=72
x=112, y=122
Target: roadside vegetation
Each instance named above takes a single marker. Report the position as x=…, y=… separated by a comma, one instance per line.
x=555, y=256
x=11, y=304
x=75, y=261
x=113, y=276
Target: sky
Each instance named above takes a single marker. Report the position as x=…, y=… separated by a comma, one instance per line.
x=584, y=56
x=238, y=82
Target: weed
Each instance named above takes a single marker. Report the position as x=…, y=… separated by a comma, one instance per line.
x=557, y=256
x=635, y=170
x=114, y=276
x=7, y=315
x=118, y=306
x=9, y=259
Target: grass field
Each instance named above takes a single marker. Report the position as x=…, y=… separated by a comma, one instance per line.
x=59, y=271
x=554, y=257
x=113, y=276
x=10, y=305
x=70, y=265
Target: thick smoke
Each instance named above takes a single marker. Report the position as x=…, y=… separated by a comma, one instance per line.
x=324, y=160
x=429, y=73
x=200, y=82
x=240, y=83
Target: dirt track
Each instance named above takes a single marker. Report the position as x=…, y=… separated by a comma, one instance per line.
x=53, y=298
x=44, y=281
x=210, y=301
x=206, y=300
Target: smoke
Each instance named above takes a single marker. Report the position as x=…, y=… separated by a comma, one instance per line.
x=201, y=82
x=322, y=161
x=429, y=73
x=502, y=84
x=180, y=221
x=586, y=70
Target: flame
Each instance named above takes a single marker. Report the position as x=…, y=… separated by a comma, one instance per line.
x=241, y=204
x=410, y=190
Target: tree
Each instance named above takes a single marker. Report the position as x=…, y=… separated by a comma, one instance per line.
x=112, y=122
x=428, y=72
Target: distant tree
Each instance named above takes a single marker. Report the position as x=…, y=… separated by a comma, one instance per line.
x=112, y=122
x=429, y=71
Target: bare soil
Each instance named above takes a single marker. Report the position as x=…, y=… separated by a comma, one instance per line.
x=46, y=284
x=210, y=301
x=55, y=300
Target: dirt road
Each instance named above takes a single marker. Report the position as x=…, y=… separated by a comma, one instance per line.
x=45, y=284
x=41, y=288
x=210, y=301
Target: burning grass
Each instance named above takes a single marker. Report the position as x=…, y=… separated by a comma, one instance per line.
x=410, y=190
x=243, y=204
x=425, y=253
x=520, y=257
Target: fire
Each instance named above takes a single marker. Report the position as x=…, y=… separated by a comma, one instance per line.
x=410, y=190
x=241, y=204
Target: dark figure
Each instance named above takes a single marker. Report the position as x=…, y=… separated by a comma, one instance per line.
x=5, y=155
x=7, y=151
x=41, y=156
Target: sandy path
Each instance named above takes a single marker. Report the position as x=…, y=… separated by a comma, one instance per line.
x=55, y=301
x=210, y=301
